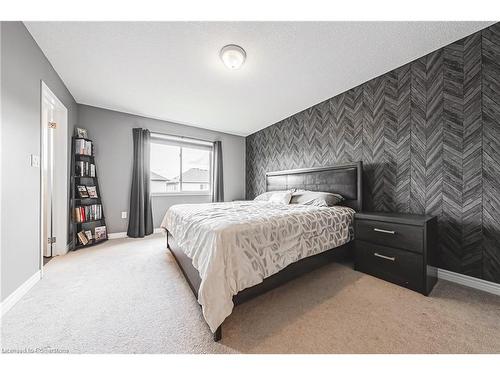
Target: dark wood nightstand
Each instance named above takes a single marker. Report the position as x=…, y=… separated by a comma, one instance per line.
x=399, y=248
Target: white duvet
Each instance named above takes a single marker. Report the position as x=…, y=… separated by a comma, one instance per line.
x=235, y=245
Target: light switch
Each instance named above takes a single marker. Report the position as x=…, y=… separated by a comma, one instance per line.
x=124, y=214
x=35, y=161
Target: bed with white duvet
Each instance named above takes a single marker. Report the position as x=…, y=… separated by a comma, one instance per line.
x=236, y=245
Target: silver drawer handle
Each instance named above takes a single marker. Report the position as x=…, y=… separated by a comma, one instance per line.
x=384, y=231
x=392, y=259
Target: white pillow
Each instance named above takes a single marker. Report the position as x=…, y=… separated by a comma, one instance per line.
x=318, y=202
x=264, y=196
x=316, y=198
x=282, y=197
x=267, y=195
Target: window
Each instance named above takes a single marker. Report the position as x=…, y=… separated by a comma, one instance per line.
x=180, y=165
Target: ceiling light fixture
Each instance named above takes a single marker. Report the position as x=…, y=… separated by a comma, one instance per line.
x=233, y=56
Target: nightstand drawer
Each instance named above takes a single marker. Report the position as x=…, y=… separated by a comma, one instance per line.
x=401, y=236
x=394, y=265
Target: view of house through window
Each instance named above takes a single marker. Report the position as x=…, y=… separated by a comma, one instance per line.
x=179, y=168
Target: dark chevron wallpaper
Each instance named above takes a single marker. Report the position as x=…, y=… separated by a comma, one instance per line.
x=429, y=137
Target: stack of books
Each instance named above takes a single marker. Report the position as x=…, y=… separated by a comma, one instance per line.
x=84, y=169
x=83, y=147
x=90, y=212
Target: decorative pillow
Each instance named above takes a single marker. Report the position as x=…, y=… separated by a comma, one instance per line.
x=264, y=196
x=318, y=202
x=281, y=197
x=315, y=198
x=267, y=195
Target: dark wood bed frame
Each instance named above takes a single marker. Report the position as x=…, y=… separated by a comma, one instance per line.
x=345, y=179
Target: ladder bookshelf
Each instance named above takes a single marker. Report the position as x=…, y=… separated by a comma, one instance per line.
x=87, y=221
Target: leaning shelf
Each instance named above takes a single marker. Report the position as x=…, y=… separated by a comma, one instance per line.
x=87, y=212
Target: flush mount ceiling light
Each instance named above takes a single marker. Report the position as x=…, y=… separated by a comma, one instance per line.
x=233, y=56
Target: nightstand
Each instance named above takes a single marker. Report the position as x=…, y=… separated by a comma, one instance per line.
x=399, y=248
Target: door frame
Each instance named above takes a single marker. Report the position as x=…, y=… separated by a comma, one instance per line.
x=46, y=94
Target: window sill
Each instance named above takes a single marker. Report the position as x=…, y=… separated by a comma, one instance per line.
x=181, y=193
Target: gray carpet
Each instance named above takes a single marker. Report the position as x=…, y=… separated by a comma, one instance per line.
x=128, y=296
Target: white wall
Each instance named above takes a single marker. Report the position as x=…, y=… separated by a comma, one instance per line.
x=111, y=132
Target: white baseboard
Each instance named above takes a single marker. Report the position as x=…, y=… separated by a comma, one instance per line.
x=472, y=282
x=17, y=294
x=114, y=236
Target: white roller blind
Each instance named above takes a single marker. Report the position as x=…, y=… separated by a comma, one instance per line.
x=173, y=140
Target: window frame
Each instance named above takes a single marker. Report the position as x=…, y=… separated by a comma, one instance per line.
x=184, y=142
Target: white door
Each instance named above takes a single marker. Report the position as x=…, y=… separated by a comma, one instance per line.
x=54, y=163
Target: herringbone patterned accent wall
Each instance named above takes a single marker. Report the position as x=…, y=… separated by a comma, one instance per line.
x=429, y=137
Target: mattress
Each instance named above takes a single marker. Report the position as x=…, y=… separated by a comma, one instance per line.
x=236, y=245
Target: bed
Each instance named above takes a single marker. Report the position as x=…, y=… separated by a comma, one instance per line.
x=231, y=252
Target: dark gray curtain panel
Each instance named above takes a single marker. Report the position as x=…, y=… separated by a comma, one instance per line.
x=217, y=179
x=140, y=222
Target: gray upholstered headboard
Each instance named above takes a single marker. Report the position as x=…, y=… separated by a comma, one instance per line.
x=345, y=179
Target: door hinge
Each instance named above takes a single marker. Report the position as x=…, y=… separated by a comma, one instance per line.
x=52, y=125
x=51, y=240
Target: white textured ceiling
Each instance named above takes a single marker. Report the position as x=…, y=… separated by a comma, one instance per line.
x=171, y=70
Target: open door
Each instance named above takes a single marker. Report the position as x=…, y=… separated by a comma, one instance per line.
x=54, y=170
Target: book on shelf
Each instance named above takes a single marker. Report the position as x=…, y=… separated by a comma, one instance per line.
x=88, y=234
x=81, y=133
x=91, y=212
x=84, y=169
x=82, y=238
x=82, y=191
x=83, y=147
x=100, y=233
x=92, y=191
